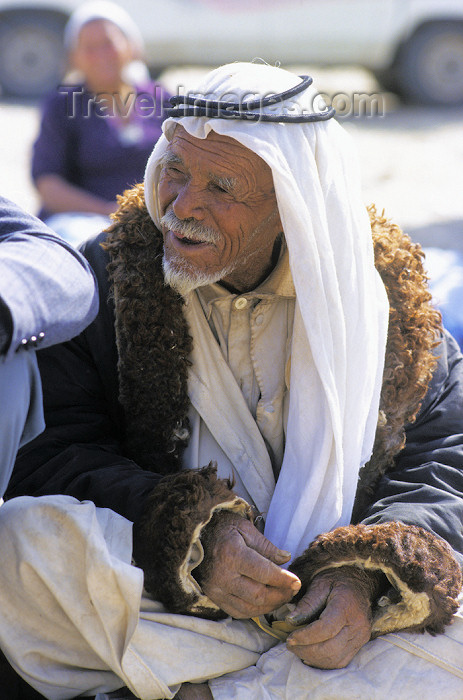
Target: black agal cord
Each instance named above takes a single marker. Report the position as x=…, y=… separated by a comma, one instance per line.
x=188, y=106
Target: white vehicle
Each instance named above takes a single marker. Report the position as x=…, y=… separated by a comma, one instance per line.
x=414, y=47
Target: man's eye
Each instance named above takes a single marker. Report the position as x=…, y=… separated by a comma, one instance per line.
x=221, y=189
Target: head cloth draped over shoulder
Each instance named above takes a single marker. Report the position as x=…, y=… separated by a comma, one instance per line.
x=340, y=325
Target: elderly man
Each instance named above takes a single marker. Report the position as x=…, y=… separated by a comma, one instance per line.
x=276, y=341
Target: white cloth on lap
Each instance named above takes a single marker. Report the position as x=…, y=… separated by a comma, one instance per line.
x=400, y=666
x=86, y=626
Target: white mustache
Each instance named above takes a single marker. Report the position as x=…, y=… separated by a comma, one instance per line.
x=189, y=228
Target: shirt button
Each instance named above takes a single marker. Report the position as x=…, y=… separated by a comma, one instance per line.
x=259, y=319
x=241, y=303
x=269, y=409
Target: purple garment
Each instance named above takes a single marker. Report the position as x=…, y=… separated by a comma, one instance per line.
x=81, y=140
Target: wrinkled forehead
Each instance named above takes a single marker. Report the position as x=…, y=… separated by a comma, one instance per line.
x=215, y=151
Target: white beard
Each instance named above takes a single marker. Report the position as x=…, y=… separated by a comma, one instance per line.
x=184, y=278
x=179, y=273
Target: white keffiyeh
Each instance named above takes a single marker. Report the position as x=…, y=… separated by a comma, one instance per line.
x=341, y=317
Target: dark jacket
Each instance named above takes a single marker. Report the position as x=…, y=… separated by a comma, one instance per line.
x=84, y=450
x=81, y=452
x=116, y=406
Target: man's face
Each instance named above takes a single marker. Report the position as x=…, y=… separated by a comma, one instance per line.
x=219, y=213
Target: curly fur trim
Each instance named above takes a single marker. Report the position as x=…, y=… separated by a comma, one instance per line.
x=419, y=565
x=152, y=339
x=414, y=331
x=167, y=539
x=154, y=344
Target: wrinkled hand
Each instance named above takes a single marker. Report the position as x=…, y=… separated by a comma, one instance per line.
x=338, y=609
x=241, y=569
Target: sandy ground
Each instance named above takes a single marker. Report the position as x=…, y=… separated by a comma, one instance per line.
x=411, y=158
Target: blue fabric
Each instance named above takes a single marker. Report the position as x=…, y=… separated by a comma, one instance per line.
x=21, y=410
x=445, y=270
x=76, y=227
x=47, y=288
x=48, y=295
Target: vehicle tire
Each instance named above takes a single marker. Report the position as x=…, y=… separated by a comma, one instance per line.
x=429, y=66
x=31, y=53
x=387, y=79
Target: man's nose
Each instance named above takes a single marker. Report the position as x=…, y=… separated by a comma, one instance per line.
x=188, y=203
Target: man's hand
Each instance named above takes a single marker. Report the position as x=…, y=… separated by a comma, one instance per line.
x=241, y=569
x=337, y=607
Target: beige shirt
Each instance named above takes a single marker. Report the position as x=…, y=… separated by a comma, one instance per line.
x=253, y=331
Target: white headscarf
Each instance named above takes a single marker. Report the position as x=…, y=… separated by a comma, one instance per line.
x=136, y=70
x=341, y=317
x=105, y=10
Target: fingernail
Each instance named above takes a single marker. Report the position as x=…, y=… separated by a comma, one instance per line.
x=295, y=619
x=283, y=556
x=296, y=586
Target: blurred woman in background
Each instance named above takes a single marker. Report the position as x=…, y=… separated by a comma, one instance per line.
x=98, y=130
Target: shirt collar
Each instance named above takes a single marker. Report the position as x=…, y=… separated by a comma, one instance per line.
x=278, y=283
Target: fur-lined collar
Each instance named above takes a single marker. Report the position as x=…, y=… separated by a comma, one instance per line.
x=154, y=344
